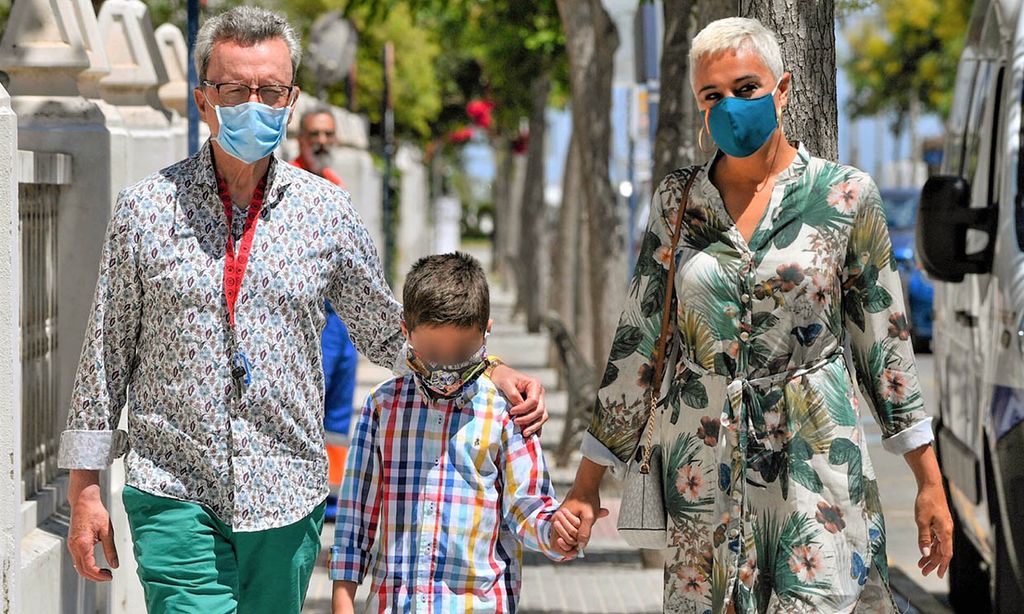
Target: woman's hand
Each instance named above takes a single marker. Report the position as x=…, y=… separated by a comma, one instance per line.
x=934, y=523
x=934, y=529
x=530, y=413
x=583, y=501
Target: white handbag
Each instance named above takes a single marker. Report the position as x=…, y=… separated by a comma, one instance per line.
x=643, y=519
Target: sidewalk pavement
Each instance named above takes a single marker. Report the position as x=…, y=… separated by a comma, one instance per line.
x=612, y=578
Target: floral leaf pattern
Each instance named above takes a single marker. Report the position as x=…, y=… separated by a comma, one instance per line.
x=766, y=476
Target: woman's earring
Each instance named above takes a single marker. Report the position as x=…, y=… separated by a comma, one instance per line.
x=700, y=134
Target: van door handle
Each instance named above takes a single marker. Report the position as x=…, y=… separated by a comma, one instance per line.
x=966, y=319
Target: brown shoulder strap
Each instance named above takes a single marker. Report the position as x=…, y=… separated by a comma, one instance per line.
x=666, y=315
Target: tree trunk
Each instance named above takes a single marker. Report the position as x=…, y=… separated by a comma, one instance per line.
x=591, y=40
x=500, y=198
x=679, y=120
x=713, y=10
x=533, y=218
x=510, y=243
x=564, y=251
x=807, y=33
x=674, y=141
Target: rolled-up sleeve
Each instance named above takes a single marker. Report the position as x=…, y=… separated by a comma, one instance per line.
x=91, y=440
x=879, y=330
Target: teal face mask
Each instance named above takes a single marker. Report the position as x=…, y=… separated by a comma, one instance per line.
x=740, y=126
x=251, y=131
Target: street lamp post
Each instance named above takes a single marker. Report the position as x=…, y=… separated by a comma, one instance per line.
x=388, y=121
x=193, y=77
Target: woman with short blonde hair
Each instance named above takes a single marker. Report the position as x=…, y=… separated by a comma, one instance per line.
x=782, y=259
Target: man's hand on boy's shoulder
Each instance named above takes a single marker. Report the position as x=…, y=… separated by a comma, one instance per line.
x=530, y=413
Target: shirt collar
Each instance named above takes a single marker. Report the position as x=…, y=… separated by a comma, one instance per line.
x=789, y=174
x=278, y=178
x=464, y=398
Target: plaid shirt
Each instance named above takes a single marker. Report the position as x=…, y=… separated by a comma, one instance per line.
x=448, y=491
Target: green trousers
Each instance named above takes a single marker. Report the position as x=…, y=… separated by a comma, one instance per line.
x=190, y=562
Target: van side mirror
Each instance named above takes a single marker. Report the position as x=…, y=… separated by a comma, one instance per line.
x=943, y=218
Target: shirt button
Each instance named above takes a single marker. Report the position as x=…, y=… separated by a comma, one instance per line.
x=744, y=336
x=745, y=297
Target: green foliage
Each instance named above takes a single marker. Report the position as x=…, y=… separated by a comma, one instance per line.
x=416, y=93
x=911, y=49
x=489, y=49
x=447, y=52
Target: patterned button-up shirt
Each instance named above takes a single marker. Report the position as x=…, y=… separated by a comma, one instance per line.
x=441, y=496
x=156, y=342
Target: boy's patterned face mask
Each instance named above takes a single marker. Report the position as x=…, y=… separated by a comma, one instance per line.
x=447, y=381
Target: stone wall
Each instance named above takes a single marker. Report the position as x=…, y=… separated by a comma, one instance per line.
x=95, y=103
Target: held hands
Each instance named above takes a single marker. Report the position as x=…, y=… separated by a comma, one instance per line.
x=574, y=521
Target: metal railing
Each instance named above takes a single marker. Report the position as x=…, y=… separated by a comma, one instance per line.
x=37, y=212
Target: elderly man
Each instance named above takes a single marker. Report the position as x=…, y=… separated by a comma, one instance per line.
x=206, y=324
x=317, y=134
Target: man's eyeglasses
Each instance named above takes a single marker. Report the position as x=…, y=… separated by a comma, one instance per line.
x=232, y=93
x=316, y=134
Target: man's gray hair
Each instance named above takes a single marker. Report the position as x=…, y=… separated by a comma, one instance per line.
x=319, y=109
x=245, y=25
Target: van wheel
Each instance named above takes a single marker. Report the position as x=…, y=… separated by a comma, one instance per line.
x=1008, y=596
x=969, y=583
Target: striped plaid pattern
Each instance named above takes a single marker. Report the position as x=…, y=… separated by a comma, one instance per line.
x=441, y=495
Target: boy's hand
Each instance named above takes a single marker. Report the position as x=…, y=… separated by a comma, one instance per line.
x=343, y=601
x=565, y=529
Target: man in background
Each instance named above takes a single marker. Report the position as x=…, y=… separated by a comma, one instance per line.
x=316, y=137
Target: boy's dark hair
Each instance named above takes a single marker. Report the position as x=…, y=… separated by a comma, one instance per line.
x=447, y=289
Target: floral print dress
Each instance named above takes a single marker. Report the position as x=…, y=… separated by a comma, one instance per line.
x=772, y=499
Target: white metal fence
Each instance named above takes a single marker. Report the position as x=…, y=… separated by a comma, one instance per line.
x=37, y=214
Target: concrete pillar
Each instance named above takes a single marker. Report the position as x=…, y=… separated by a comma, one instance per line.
x=352, y=160
x=415, y=233
x=10, y=363
x=44, y=54
x=174, y=94
x=133, y=85
x=447, y=224
x=89, y=87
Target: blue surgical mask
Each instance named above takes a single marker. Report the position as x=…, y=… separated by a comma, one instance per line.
x=251, y=131
x=740, y=126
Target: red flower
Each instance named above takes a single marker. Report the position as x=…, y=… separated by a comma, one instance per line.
x=479, y=112
x=461, y=135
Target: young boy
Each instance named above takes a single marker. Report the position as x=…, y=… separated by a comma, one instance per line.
x=438, y=477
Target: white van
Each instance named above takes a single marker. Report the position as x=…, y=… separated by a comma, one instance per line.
x=970, y=240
